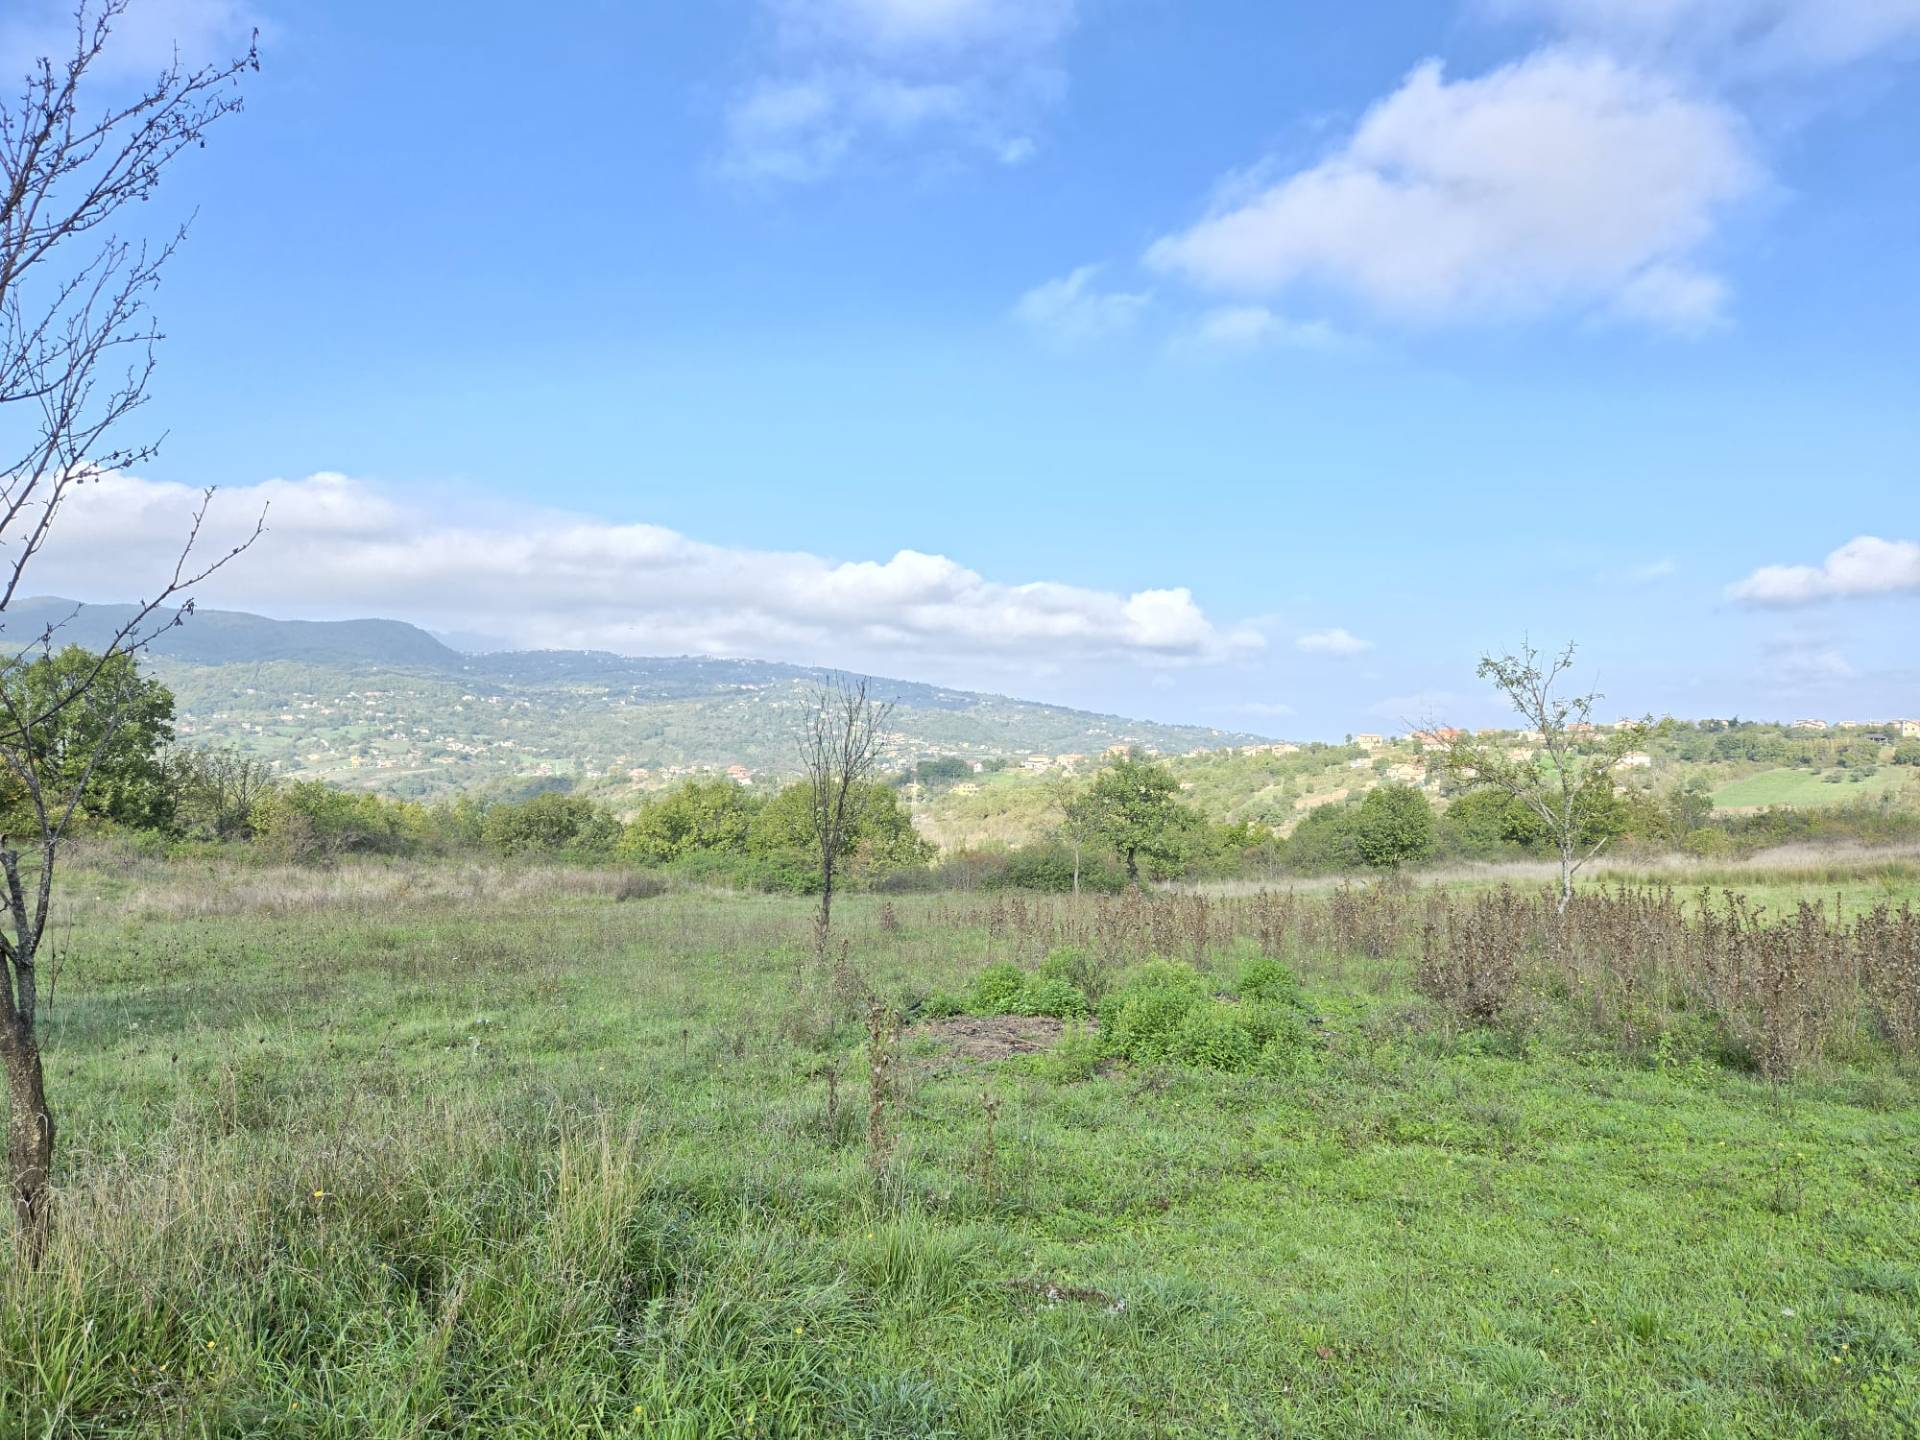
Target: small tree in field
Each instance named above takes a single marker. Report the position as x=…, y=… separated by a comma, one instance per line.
x=1070, y=803
x=839, y=748
x=1393, y=826
x=76, y=353
x=1134, y=806
x=1568, y=779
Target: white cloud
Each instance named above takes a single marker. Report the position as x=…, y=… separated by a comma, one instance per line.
x=1675, y=297
x=1253, y=327
x=144, y=39
x=1865, y=565
x=337, y=546
x=1072, y=310
x=1754, y=36
x=912, y=29
x=1560, y=180
x=877, y=80
x=1798, y=662
x=1332, y=642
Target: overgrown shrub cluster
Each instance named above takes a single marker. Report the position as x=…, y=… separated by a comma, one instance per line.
x=1636, y=959
x=1160, y=1011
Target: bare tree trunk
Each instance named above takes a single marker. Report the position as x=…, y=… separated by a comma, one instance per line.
x=1076, y=872
x=823, y=922
x=76, y=353
x=29, y=1139
x=839, y=747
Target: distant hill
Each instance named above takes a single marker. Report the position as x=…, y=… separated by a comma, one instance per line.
x=380, y=704
x=228, y=637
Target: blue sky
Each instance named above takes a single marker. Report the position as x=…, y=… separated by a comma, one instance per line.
x=1229, y=362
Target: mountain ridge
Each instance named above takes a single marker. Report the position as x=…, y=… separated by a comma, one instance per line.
x=383, y=704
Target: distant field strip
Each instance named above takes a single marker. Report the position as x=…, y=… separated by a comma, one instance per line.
x=1810, y=788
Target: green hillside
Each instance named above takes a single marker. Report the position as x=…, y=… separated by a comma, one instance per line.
x=1808, y=789
x=378, y=704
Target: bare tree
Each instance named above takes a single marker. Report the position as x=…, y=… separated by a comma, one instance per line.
x=77, y=347
x=1566, y=771
x=839, y=748
x=1070, y=803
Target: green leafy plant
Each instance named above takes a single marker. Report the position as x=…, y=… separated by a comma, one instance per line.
x=997, y=989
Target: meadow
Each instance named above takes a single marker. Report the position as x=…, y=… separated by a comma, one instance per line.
x=1811, y=789
x=434, y=1148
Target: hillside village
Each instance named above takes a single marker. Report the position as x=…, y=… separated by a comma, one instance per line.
x=1277, y=783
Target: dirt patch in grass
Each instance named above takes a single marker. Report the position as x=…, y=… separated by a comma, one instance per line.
x=990, y=1037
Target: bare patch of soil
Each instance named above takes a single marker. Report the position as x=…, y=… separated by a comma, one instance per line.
x=990, y=1037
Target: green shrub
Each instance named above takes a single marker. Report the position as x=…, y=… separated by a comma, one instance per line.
x=1211, y=1037
x=1269, y=1022
x=1041, y=996
x=1076, y=965
x=997, y=989
x=1139, y=1020
x=1143, y=1024
x=943, y=1005
x=1076, y=1057
x=1267, y=981
x=550, y=824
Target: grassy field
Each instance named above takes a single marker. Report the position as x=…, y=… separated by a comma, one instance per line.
x=1805, y=789
x=436, y=1150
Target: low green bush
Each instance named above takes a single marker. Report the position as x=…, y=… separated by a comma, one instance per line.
x=1266, y=980
x=996, y=990
x=1212, y=1038
x=1058, y=998
x=943, y=1005
x=1078, y=966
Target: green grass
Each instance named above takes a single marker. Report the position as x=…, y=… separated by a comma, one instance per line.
x=419, y=1151
x=1806, y=789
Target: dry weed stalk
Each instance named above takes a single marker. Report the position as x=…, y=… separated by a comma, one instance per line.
x=883, y=1053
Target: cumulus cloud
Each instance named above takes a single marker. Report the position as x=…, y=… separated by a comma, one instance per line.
x=1253, y=327
x=547, y=579
x=1865, y=565
x=1755, y=36
x=1561, y=180
x=1332, y=642
x=1073, y=309
x=879, y=79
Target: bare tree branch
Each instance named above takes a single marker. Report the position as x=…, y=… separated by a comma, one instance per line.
x=840, y=741
x=77, y=349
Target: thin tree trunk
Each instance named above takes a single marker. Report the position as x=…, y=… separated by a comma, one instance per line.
x=1076, y=872
x=29, y=1141
x=823, y=922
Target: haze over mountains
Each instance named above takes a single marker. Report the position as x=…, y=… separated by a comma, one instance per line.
x=382, y=704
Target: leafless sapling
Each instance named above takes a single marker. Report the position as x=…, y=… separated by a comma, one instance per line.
x=840, y=742
x=77, y=346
